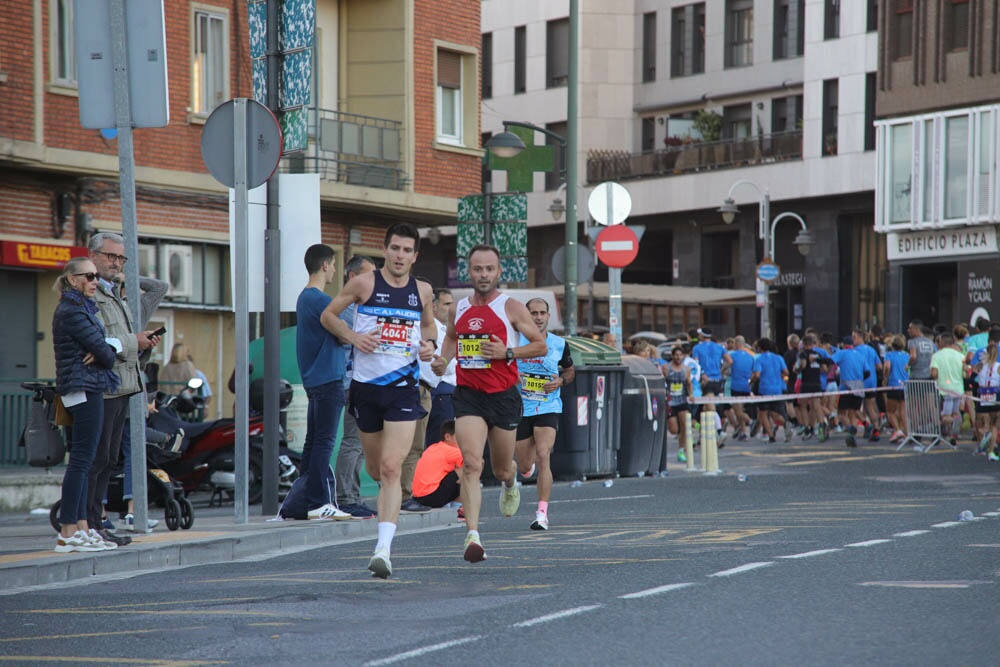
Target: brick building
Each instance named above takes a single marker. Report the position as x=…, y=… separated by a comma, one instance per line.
x=393, y=133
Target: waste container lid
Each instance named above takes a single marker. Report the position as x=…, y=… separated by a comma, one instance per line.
x=590, y=352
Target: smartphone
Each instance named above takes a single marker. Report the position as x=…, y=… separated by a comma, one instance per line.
x=160, y=331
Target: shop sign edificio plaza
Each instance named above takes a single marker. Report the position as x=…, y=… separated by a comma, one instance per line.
x=949, y=242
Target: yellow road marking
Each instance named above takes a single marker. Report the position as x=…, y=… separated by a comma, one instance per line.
x=83, y=635
x=723, y=536
x=163, y=603
x=844, y=458
x=108, y=660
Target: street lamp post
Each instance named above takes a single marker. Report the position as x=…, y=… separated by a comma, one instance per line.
x=765, y=230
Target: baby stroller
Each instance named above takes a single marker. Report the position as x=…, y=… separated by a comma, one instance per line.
x=163, y=491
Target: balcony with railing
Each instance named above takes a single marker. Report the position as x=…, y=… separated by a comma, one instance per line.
x=687, y=158
x=352, y=149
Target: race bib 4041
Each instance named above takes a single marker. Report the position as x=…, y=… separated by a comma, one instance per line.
x=470, y=351
x=395, y=335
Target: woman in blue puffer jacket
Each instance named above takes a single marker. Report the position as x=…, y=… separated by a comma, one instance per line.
x=84, y=358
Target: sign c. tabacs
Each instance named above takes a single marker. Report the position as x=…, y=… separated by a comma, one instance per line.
x=32, y=255
x=946, y=242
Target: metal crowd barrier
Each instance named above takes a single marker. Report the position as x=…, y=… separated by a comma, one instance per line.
x=923, y=414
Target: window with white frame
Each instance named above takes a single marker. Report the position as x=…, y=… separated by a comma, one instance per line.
x=901, y=172
x=63, y=44
x=449, y=97
x=209, y=61
x=739, y=33
x=956, y=167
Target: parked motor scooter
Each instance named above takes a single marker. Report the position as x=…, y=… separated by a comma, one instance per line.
x=208, y=452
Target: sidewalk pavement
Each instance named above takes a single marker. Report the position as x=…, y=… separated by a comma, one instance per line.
x=27, y=540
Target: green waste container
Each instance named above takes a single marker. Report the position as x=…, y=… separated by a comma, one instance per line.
x=590, y=428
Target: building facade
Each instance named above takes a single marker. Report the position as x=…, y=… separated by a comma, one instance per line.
x=393, y=133
x=938, y=142
x=681, y=100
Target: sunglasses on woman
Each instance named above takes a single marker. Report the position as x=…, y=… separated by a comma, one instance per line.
x=91, y=277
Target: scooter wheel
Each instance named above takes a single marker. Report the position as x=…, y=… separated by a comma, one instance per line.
x=172, y=514
x=54, y=516
x=187, y=513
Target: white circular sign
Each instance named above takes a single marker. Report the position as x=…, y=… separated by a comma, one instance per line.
x=621, y=203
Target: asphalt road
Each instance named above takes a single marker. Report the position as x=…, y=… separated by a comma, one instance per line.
x=821, y=557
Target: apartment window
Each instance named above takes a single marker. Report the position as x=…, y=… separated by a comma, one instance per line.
x=929, y=187
x=870, y=91
x=64, y=54
x=449, y=97
x=902, y=29
x=984, y=187
x=901, y=171
x=956, y=25
x=831, y=19
x=649, y=47
x=737, y=121
x=786, y=112
x=520, y=59
x=739, y=33
x=557, y=53
x=720, y=259
x=648, y=139
x=687, y=40
x=487, y=60
x=789, y=28
x=831, y=95
x=956, y=167
x=872, y=22
x=553, y=179
x=210, y=64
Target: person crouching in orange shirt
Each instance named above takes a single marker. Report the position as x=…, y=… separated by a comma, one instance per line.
x=436, y=478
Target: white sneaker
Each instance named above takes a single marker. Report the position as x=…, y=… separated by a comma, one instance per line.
x=129, y=522
x=78, y=541
x=380, y=566
x=541, y=521
x=329, y=511
x=96, y=538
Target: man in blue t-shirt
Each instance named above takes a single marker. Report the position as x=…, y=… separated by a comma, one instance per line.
x=851, y=367
x=714, y=361
x=322, y=365
x=872, y=371
x=740, y=372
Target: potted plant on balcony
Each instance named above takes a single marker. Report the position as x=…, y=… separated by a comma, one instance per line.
x=830, y=144
x=708, y=124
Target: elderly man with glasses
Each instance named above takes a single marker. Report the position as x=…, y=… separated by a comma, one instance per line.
x=107, y=251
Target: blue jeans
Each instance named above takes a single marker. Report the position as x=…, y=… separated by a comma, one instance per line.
x=88, y=420
x=326, y=402
x=441, y=411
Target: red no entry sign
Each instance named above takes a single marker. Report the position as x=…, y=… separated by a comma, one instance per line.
x=617, y=246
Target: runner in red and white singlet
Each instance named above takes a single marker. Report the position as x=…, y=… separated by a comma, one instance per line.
x=483, y=335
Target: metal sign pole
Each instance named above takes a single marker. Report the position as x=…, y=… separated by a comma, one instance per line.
x=241, y=231
x=614, y=285
x=126, y=179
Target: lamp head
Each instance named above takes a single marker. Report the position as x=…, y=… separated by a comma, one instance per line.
x=557, y=208
x=505, y=145
x=728, y=210
x=804, y=242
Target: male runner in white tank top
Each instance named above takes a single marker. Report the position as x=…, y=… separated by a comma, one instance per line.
x=393, y=327
x=482, y=335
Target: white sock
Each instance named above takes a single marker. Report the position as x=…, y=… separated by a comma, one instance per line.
x=474, y=533
x=386, y=531
x=718, y=422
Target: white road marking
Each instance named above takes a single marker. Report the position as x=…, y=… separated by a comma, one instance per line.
x=556, y=615
x=810, y=554
x=867, y=543
x=417, y=652
x=591, y=500
x=912, y=533
x=991, y=513
x=654, y=591
x=741, y=569
x=946, y=524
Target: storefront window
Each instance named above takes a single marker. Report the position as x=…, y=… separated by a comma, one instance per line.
x=956, y=167
x=902, y=172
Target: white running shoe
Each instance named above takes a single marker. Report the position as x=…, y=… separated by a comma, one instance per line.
x=78, y=541
x=96, y=538
x=510, y=499
x=380, y=566
x=541, y=521
x=327, y=512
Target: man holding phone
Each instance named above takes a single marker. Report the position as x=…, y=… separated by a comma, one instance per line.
x=107, y=252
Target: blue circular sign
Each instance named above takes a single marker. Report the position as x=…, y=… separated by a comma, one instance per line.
x=768, y=271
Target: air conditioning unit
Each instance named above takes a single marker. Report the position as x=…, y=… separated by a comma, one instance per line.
x=147, y=261
x=177, y=268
